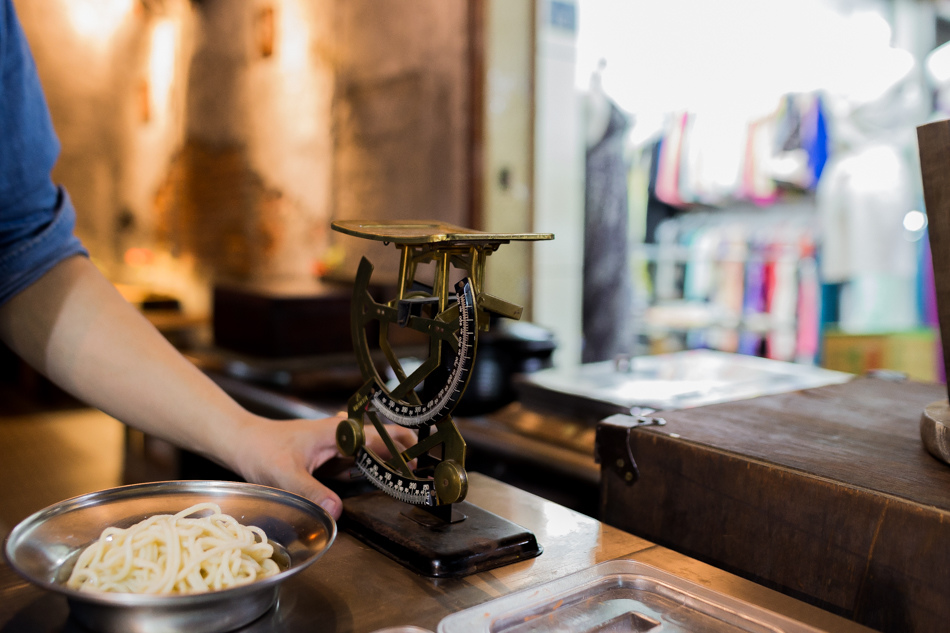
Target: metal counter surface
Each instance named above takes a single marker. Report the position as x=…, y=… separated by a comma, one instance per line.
x=352, y=588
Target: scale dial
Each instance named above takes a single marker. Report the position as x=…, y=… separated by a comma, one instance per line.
x=451, y=331
x=414, y=490
x=413, y=415
x=450, y=322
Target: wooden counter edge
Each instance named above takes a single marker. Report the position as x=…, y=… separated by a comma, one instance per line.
x=734, y=586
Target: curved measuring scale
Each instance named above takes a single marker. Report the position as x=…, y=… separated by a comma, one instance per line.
x=450, y=321
x=398, y=406
x=454, y=330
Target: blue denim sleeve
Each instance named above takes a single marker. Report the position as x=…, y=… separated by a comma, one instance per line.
x=36, y=217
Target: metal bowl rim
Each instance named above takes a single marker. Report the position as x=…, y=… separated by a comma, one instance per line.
x=158, y=488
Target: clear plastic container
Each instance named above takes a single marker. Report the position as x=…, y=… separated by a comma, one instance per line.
x=621, y=596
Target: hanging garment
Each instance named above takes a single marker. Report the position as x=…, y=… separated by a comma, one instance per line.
x=728, y=294
x=699, y=277
x=757, y=184
x=607, y=296
x=817, y=142
x=807, y=344
x=670, y=159
x=713, y=149
x=667, y=278
x=782, y=304
x=658, y=211
x=801, y=141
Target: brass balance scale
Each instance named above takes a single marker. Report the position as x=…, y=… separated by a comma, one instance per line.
x=419, y=515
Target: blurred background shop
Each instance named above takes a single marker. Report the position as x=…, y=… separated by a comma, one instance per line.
x=734, y=189
x=772, y=176
x=737, y=175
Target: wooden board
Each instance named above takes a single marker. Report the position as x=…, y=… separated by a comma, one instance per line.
x=826, y=494
x=933, y=143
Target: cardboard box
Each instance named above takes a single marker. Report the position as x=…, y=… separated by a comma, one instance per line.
x=914, y=353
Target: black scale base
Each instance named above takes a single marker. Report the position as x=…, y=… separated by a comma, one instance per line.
x=474, y=540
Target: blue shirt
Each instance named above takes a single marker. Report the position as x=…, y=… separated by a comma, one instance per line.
x=36, y=217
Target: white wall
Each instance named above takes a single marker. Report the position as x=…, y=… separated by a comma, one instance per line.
x=559, y=181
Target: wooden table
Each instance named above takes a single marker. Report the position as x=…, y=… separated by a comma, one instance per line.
x=826, y=494
x=352, y=588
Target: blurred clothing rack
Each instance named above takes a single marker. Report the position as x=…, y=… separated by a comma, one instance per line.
x=735, y=281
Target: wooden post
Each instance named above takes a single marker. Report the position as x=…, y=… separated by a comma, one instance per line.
x=933, y=141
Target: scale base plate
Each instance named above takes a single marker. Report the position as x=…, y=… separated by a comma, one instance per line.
x=479, y=542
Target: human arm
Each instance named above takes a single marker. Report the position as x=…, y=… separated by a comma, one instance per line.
x=74, y=327
x=66, y=320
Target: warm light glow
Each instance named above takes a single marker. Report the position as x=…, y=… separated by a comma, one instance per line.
x=293, y=38
x=161, y=65
x=139, y=256
x=97, y=19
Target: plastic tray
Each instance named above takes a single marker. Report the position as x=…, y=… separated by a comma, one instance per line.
x=619, y=596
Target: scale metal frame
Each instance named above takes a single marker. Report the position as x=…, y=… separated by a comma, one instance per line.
x=418, y=515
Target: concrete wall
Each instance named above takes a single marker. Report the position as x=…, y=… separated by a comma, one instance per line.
x=219, y=138
x=113, y=76
x=400, y=115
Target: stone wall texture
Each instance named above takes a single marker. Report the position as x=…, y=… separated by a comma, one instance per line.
x=221, y=137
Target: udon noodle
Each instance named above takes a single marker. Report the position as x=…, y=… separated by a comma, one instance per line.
x=175, y=554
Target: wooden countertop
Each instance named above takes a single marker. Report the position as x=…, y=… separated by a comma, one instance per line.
x=864, y=434
x=826, y=494
x=48, y=457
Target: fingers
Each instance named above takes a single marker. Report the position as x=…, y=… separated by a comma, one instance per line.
x=312, y=489
x=283, y=454
x=401, y=437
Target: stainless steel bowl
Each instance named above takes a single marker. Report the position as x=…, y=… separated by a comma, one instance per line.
x=44, y=547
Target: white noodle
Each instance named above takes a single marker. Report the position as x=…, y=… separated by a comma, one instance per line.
x=175, y=554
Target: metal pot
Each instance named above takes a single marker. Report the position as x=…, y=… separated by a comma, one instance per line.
x=507, y=349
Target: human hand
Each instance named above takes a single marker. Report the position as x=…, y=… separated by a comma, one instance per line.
x=284, y=454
